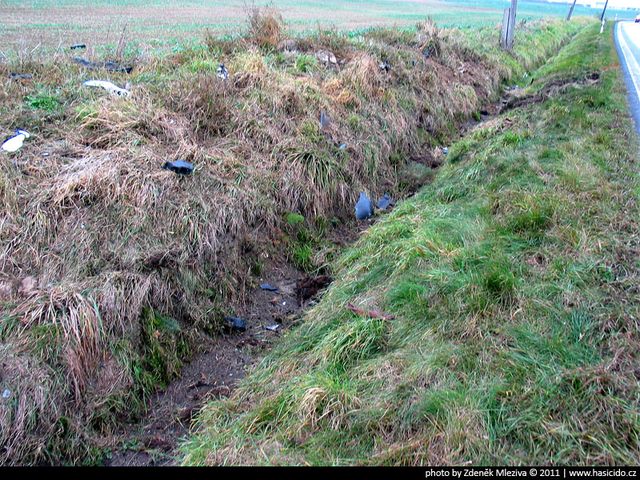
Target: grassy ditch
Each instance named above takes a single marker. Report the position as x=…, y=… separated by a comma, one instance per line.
x=513, y=279
x=113, y=267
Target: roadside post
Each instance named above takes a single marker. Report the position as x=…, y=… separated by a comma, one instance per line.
x=602, y=20
x=573, y=5
x=508, y=26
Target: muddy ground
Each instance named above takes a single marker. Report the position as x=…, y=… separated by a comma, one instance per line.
x=154, y=440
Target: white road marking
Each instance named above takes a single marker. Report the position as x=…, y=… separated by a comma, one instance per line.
x=629, y=57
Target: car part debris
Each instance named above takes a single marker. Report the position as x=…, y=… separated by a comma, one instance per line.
x=364, y=207
x=180, y=167
x=445, y=150
x=384, y=202
x=308, y=287
x=78, y=46
x=325, y=121
x=268, y=287
x=20, y=76
x=108, y=65
x=235, y=324
x=6, y=393
x=342, y=146
x=369, y=313
x=384, y=66
x=15, y=142
x=222, y=72
x=109, y=87
x=273, y=327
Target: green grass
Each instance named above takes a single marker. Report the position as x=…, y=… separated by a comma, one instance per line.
x=512, y=279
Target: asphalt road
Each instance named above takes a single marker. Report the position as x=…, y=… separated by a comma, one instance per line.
x=627, y=38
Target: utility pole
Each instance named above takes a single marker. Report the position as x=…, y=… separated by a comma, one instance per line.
x=604, y=11
x=571, y=10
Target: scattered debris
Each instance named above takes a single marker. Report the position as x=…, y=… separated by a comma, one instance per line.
x=273, y=327
x=236, y=324
x=6, y=393
x=308, y=287
x=445, y=150
x=384, y=202
x=20, y=76
x=78, y=46
x=108, y=86
x=342, y=146
x=108, y=65
x=326, y=57
x=15, y=142
x=430, y=49
x=268, y=287
x=325, y=121
x=180, y=167
x=384, y=66
x=369, y=313
x=222, y=72
x=364, y=207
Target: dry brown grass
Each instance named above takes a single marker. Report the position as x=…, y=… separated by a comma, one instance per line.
x=266, y=26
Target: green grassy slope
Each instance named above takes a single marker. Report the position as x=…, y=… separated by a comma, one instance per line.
x=513, y=279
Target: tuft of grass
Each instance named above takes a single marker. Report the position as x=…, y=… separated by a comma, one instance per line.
x=265, y=25
x=43, y=101
x=513, y=281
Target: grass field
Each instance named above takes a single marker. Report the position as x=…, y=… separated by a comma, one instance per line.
x=513, y=279
x=166, y=25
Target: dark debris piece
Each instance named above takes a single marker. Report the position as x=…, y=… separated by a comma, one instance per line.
x=309, y=286
x=181, y=167
x=78, y=46
x=325, y=121
x=20, y=76
x=268, y=287
x=384, y=202
x=108, y=65
x=235, y=324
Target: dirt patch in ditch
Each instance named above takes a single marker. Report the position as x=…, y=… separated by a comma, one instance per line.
x=211, y=374
x=214, y=373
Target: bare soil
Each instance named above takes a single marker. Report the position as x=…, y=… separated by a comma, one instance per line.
x=154, y=440
x=211, y=374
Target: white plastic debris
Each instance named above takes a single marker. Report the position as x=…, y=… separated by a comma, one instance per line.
x=222, y=72
x=108, y=86
x=6, y=393
x=15, y=142
x=273, y=327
